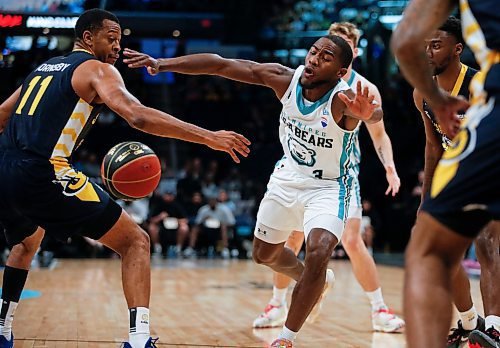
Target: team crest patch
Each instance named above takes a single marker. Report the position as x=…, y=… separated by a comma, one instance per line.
x=300, y=153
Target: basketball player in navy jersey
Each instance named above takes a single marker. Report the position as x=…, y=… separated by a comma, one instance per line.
x=444, y=49
x=42, y=124
x=464, y=195
x=310, y=187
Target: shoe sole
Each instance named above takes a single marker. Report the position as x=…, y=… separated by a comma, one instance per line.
x=383, y=329
x=273, y=324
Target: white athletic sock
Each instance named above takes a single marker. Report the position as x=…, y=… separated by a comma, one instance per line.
x=469, y=318
x=288, y=334
x=279, y=296
x=492, y=320
x=6, y=326
x=139, y=327
x=376, y=299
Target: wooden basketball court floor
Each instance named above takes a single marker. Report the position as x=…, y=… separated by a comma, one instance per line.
x=194, y=303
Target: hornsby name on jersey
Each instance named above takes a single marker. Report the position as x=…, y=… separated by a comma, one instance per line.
x=52, y=67
x=306, y=133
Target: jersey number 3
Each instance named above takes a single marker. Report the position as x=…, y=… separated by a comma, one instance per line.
x=33, y=83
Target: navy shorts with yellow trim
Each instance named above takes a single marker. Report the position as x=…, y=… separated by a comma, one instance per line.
x=465, y=191
x=30, y=196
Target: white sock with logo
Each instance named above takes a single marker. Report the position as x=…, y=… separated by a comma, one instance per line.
x=469, y=318
x=279, y=296
x=139, y=327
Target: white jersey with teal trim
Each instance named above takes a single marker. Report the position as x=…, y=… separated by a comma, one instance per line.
x=314, y=145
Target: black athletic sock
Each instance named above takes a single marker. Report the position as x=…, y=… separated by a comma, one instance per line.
x=13, y=284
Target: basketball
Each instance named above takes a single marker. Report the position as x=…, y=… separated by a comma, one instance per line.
x=130, y=170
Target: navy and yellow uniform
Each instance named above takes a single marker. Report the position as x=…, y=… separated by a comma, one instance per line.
x=461, y=87
x=38, y=186
x=465, y=191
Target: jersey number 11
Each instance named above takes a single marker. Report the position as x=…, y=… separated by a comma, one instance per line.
x=43, y=87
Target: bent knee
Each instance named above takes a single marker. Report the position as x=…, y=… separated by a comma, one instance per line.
x=264, y=253
x=140, y=241
x=353, y=244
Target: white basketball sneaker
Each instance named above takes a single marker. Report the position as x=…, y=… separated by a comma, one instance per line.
x=273, y=316
x=330, y=280
x=384, y=320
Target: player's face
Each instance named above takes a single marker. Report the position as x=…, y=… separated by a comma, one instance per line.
x=442, y=49
x=322, y=65
x=106, y=42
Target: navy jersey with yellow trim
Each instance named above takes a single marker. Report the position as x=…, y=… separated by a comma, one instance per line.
x=487, y=15
x=461, y=87
x=49, y=119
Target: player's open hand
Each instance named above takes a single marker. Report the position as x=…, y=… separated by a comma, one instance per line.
x=393, y=181
x=446, y=110
x=363, y=105
x=138, y=60
x=231, y=143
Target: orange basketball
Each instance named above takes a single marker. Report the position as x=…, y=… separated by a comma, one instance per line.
x=130, y=170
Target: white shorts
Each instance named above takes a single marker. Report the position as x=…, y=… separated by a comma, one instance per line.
x=302, y=205
x=355, y=208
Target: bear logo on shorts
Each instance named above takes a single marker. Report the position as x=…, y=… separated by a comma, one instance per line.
x=300, y=153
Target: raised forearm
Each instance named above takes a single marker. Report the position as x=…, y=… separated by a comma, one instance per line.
x=203, y=63
x=415, y=68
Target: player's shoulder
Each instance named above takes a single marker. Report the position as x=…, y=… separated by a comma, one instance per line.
x=96, y=68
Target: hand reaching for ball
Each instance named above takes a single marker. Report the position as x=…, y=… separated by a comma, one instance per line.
x=231, y=143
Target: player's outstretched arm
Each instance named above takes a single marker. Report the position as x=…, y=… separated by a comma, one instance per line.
x=420, y=19
x=272, y=75
x=108, y=87
x=433, y=147
x=361, y=105
x=7, y=108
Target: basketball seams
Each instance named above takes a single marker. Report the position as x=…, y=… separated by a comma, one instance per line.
x=113, y=168
x=113, y=157
x=129, y=162
x=112, y=182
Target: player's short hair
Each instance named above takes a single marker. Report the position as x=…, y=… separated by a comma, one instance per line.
x=346, y=56
x=347, y=29
x=453, y=27
x=92, y=20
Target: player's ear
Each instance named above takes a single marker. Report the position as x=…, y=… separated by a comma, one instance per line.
x=355, y=52
x=459, y=48
x=88, y=38
x=342, y=72
x=310, y=151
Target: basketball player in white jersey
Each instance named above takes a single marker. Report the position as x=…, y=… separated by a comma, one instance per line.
x=362, y=262
x=311, y=185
